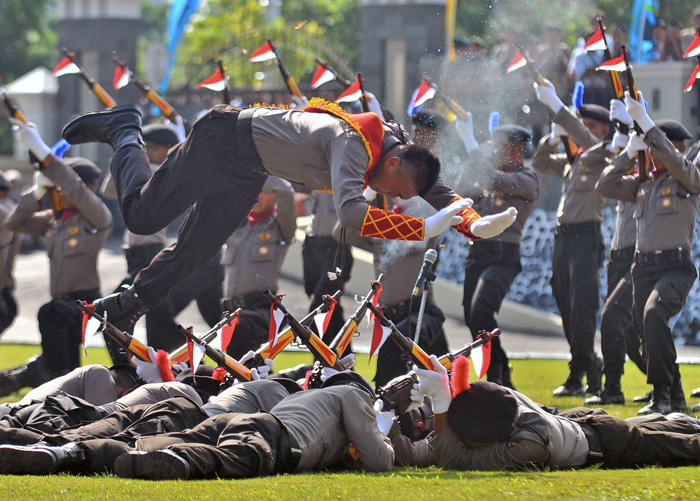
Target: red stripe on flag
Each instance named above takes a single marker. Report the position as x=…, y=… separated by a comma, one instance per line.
x=262, y=53
x=321, y=76
x=214, y=82
x=518, y=62
x=352, y=93
x=692, y=79
x=65, y=67
x=615, y=64
x=596, y=42
x=694, y=48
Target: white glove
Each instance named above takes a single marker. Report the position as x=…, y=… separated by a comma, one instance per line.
x=327, y=372
x=41, y=184
x=446, y=217
x=179, y=127
x=436, y=385
x=465, y=128
x=417, y=398
x=556, y=132
x=385, y=420
x=490, y=226
x=31, y=139
x=348, y=361
x=301, y=103
x=486, y=149
x=148, y=371
x=547, y=95
x=182, y=366
x=618, y=111
x=634, y=146
x=263, y=370
x=697, y=159
x=369, y=194
x=638, y=111
x=619, y=141
x=373, y=104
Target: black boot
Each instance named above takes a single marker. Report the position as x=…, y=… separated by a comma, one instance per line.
x=157, y=465
x=660, y=401
x=594, y=377
x=612, y=394
x=38, y=459
x=118, y=127
x=573, y=387
x=33, y=374
x=678, y=403
x=123, y=309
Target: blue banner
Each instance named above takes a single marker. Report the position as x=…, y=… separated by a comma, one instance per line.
x=644, y=14
x=180, y=13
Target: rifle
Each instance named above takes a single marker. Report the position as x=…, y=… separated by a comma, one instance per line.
x=12, y=107
x=449, y=102
x=315, y=345
x=165, y=108
x=363, y=96
x=614, y=78
x=343, y=82
x=569, y=146
x=182, y=355
x=396, y=394
x=233, y=366
x=342, y=339
x=225, y=95
x=287, y=336
x=288, y=80
x=96, y=88
x=126, y=340
x=632, y=89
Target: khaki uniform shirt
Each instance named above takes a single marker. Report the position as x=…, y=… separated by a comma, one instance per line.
x=665, y=208
x=253, y=255
x=326, y=421
x=73, y=245
x=92, y=383
x=322, y=152
x=580, y=202
x=8, y=247
x=537, y=439
x=247, y=398
x=325, y=218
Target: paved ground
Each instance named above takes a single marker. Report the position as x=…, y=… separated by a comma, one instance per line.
x=32, y=271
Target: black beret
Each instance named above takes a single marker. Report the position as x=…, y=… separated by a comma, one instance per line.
x=461, y=41
x=160, y=134
x=88, y=171
x=129, y=370
x=483, y=414
x=674, y=130
x=429, y=118
x=290, y=385
x=350, y=379
x=4, y=183
x=513, y=133
x=595, y=112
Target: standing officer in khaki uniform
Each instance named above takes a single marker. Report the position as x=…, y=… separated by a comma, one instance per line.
x=663, y=272
x=253, y=259
x=578, y=242
x=9, y=246
x=493, y=264
x=75, y=236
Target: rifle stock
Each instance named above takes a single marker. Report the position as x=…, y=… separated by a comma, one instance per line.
x=221, y=359
x=288, y=80
x=125, y=340
x=96, y=88
x=315, y=345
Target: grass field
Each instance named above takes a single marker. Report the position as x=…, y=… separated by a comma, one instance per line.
x=536, y=378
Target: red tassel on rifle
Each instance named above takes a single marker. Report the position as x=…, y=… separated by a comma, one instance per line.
x=460, y=375
x=163, y=361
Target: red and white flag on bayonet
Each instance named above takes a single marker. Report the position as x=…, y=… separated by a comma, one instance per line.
x=596, y=42
x=352, y=93
x=321, y=76
x=262, y=53
x=694, y=48
x=614, y=64
x=693, y=77
x=423, y=93
x=215, y=82
x=224, y=335
x=196, y=352
x=518, y=62
x=121, y=76
x=323, y=319
x=276, y=319
x=65, y=67
x=481, y=357
x=379, y=336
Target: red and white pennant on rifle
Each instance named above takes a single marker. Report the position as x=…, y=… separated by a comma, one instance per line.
x=215, y=82
x=693, y=50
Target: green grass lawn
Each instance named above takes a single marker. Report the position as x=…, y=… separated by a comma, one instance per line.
x=536, y=378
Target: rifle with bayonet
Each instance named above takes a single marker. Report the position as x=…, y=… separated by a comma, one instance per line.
x=342, y=81
x=615, y=82
x=449, y=102
x=396, y=394
x=182, y=355
x=221, y=359
x=288, y=80
x=632, y=89
x=150, y=94
x=96, y=88
x=315, y=345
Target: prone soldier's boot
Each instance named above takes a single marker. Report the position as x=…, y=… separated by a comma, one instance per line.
x=157, y=465
x=38, y=459
x=118, y=127
x=123, y=308
x=660, y=401
x=573, y=387
x=33, y=374
x=612, y=394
